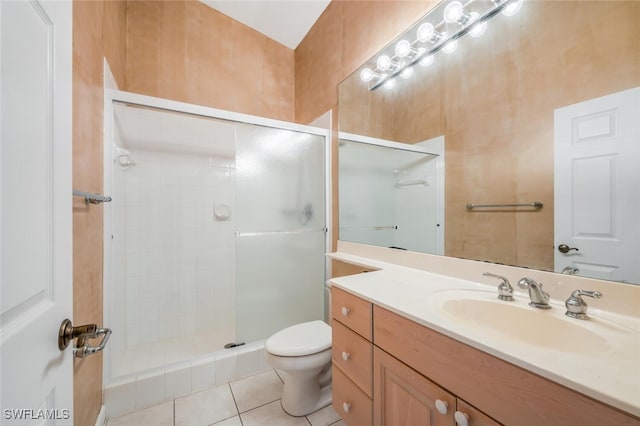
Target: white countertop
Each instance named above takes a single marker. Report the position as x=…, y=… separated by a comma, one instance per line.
x=610, y=375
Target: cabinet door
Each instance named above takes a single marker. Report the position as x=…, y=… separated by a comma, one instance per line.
x=472, y=416
x=403, y=397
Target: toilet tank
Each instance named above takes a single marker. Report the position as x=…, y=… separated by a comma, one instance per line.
x=327, y=302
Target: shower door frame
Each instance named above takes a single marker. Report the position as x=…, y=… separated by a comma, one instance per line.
x=111, y=96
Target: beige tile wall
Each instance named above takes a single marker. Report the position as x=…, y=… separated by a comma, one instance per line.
x=187, y=51
x=493, y=99
x=97, y=27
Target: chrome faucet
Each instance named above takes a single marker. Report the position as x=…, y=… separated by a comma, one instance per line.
x=576, y=307
x=539, y=298
x=505, y=291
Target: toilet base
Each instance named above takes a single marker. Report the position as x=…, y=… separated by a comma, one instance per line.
x=293, y=406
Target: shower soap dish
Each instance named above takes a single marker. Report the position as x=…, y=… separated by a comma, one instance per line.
x=222, y=211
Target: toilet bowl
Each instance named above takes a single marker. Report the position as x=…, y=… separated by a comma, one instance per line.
x=303, y=353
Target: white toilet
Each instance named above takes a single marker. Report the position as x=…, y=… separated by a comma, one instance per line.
x=303, y=353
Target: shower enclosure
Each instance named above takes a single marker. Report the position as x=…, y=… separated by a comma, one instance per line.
x=216, y=234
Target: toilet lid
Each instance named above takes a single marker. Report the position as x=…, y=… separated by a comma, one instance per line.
x=301, y=339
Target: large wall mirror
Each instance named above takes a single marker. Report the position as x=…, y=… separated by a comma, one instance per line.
x=539, y=116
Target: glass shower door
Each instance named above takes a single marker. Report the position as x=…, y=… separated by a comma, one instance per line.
x=280, y=237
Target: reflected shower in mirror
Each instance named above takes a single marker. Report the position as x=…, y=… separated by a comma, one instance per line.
x=392, y=194
x=541, y=107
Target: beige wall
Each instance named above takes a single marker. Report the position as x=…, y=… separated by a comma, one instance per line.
x=493, y=99
x=98, y=27
x=187, y=51
x=178, y=50
x=345, y=35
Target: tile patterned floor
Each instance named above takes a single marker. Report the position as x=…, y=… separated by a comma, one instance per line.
x=249, y=401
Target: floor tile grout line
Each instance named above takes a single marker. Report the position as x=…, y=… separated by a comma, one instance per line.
x=234, y=399
x=262, y=405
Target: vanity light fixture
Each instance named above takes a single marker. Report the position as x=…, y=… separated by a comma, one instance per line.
x=404, y=49
x=367, y=74
x=450, y=46
x=454, y=13
x=477, y=28
x=512, y=8
x=406, y=73
x=469, y=18
x=427, y=33
x=426, y=61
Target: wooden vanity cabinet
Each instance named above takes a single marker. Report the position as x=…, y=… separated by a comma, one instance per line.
x=401, y=373
x=352, y=357
x=510, y=395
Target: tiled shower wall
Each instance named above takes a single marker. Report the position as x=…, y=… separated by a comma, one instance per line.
x=178, y=227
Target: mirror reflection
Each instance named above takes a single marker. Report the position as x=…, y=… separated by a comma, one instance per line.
x=542, y=107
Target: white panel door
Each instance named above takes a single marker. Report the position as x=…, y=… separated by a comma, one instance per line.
x=597, y=186
x=35, y=211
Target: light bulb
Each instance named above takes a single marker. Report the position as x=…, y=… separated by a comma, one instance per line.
x=477, y=28
x=384, y=62
x=513, y=8
x=426, y=61
x=390, y=84
x=450, y=46
x=403, y=48
x=454, y=12
x=406, y=73
x=425, y=32
x=367, y=75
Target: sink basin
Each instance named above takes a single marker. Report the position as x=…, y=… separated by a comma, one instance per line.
x=483, y=313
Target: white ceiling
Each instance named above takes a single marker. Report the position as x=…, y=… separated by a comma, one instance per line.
x=285, y=21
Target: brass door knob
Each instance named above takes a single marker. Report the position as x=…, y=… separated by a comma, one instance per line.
x=563, y=248
x=68, y=332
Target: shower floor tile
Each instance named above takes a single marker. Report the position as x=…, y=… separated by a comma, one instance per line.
x=250, y=401
x=156, y=354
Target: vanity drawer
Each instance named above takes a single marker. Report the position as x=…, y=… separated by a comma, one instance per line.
x=474, y=416
x=351, y=311
x=350, y=403
x=353, y=355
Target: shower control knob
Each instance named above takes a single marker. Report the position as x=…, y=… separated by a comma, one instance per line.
x=346, y=356
x=345, y=311
x=346, y=407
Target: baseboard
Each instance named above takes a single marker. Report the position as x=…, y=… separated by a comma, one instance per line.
x=102, y=417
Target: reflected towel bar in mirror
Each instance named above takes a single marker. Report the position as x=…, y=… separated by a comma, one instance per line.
x=537, y=205
x=374, y=228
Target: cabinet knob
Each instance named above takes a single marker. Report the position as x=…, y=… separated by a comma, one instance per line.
x=462, y=419
x=346, y=356
x=346, y=407
x=441, y=406
x=345, y=311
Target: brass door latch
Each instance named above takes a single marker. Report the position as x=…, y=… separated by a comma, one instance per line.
x=82, y=333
